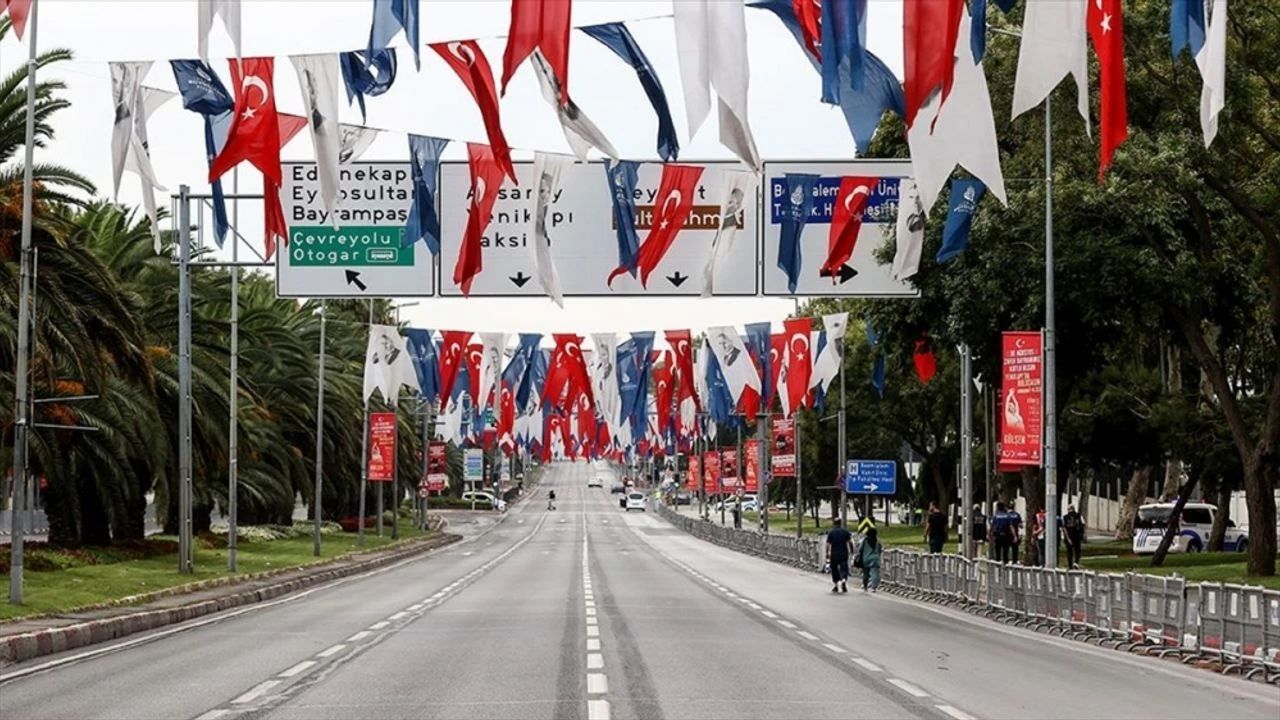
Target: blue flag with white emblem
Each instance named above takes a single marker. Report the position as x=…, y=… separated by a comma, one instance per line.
x=424, y=166
x=799, y=203
x=759, y=346
x=844, y=46
x=617, y=38
x=628, y=377
x=965, y=196
x=202, y=92
x=389, y=18
x=640, y=403
x=518, y=370
x=367, y=75
x=720, y=400
x=622, y=188
x=426, y=361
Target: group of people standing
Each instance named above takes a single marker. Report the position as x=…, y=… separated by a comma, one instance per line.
x=1004, y=534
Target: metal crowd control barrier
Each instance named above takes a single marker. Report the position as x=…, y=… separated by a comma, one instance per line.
x=1234, y=627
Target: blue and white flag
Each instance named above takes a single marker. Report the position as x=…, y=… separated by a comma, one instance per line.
x=799, y=201
x=759, y=345
x=202, y=92
x=844, y=47
x=424, y=164
x=622, y=188
x=965, y=196
x=863, y=109
x=516, y=375
x=1186, y=26
x=628, y=384
x=617, y=38
x=426, y=362
x=389, y=17
x=365, y=74
x=640, y=403
x=719, y=399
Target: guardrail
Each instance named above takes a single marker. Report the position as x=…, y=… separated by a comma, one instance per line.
x=1235, y=627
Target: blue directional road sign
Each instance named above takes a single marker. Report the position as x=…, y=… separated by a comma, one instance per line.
x=871, y=477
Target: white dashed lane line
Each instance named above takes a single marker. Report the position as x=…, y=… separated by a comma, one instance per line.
x=379, y=625
x=908, y=688
x=298, y=669
x=332, y=650
x=866, y=665
x=957, y=714
x=359, y=636
x=807, y=635
x=256, y=692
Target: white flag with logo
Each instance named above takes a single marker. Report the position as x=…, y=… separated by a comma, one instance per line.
x=354, y=140
x=711, y=45
x=493, y=346
x=152, y=99
x=735, y=362
x=910, y=231
x=964, y=132
x=318, y=78
x=738, y=186
x=547, y=168
x=1212, y=61
x=129, y=145
x=581, y=133
x=229, y=11
x=1055, y=43
x=387, y=364
x=604, y=380
x=831, y=359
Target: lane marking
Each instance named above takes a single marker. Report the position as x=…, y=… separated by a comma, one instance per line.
x=593, y=631
x=593, y=643
x=597, y=684
x=595, y=661
x=256, y=692
x=416, y=608
x=833, y=648
x=591, y=603
x=597, y=710
x=298, y=669
x=953, y=712
x=329, y=652
x=590, y=611
x=379, y=625
x=787, y=624
x=214, y=715
x=359, y=636
x=908, y=688
x=398, y=616
x=591, y=620
x=806, y=635
x=866, y=664
x=769, y=614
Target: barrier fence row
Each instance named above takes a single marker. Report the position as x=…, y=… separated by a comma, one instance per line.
x=1235, y=626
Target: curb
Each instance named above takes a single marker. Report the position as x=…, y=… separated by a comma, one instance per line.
x=25, y=646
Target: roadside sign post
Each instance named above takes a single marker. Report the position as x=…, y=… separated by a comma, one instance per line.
x=871, y=477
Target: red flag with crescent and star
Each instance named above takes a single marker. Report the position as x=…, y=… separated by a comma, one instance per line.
x=486, y=179
x=674, y=200
x=542, y=25
x=1105, y=20
x=846, y=221
x=506, y=418
x=567, y=378
x=929, y=30
x=681, y=342
x=664, y=392
x=809, y=14
x=19, y=11
x=468, y=61
x=255, y=129
x=452, y=345
x=799, y=359
x=475, y=354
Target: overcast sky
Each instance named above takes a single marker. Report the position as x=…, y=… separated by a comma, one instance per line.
x=786, y=116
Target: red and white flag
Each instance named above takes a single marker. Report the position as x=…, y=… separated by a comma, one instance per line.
x=539, y=25
x=1106, y=29
x=799, y=361
x=846, y=222
x=567, y=378
x=929, y=31
x=452, y=345
x=19, y=11
x=676, y=192
x=681, y=342
x=468, y=61
x=809, y=14
x=486, y=179
x=275, y=227
x=255, y=130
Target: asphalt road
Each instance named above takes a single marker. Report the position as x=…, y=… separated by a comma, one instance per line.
x=588, y=612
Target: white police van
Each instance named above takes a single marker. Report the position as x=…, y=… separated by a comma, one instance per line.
x=1193, y=529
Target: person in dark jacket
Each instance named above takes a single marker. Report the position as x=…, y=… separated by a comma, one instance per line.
x=839, y=548
x=935, y=529
x=869, y=560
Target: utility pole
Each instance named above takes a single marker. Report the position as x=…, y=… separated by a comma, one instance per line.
x=966, y=450
x=799, y=482
x=233, y=394
x=22, y=388
x=364, y=456
x=317, y=497
x=185, y=555
x=841, y=456
x=1050, y=382
x=762, y=495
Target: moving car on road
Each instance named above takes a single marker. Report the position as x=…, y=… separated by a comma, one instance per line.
x=595, y=481
x=635, y=501
x=1193, y=529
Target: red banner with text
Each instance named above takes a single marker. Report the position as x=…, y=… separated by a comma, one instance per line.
x=711, y=463
x=1021, y=400
x=783, y=460
x=752, y=462
x=382, y=447
x=729, y=469
x=694, y=481
x=437, y=468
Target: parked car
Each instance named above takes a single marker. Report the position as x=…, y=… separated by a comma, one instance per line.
x=635, y=501
x=1193, y=529
x=684, y=498
x=484, y=496
x=748, y=503
x=617, y=488
x=595, y=481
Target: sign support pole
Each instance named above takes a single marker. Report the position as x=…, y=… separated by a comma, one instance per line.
x=426, y=454
x=1050, y=383
x=317, y=494
x=966, y=450
x=184, y=381
x=799, y=483
x=841, y=453
x=395, y=482
x=233, y=399
x=364, y=456
x=764, y=474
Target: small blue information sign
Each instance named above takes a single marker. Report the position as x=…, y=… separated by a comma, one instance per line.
x=871, y=477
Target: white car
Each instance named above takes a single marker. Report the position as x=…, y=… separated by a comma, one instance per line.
x=481, y=496
x=1193, y=530
x=595, y=481
x=635, y=501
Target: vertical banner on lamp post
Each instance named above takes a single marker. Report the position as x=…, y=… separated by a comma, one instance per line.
x=752, y=449
x=693, y=480
x=382, y=446
x=711, y=465
x=1022, y=399
x=783, y=457
x=729, y=469
x=437, y=467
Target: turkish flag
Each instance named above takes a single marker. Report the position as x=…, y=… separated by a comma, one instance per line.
x=486, y=179
x=799, y=359
x=664, y=384
x=468, y=61
x=542, y=25
x=846, y=221
x=929, y=29
x=475, y=353
x=506, y=418
x=587, y=428
x=255, y=129
x=1106, y=28
x=809, y=13
x=19, y=10
x=273, y=214
x=567, y=378
x=674, y=200
x=682, y=371
x=453, y=343
x=925, y=361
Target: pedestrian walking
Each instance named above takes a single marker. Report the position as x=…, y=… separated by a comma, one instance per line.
x=1037, y=534
x=869, y=560
x=935, y=529
x=1073, y=525
x=839, y=548
x=979, y=532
